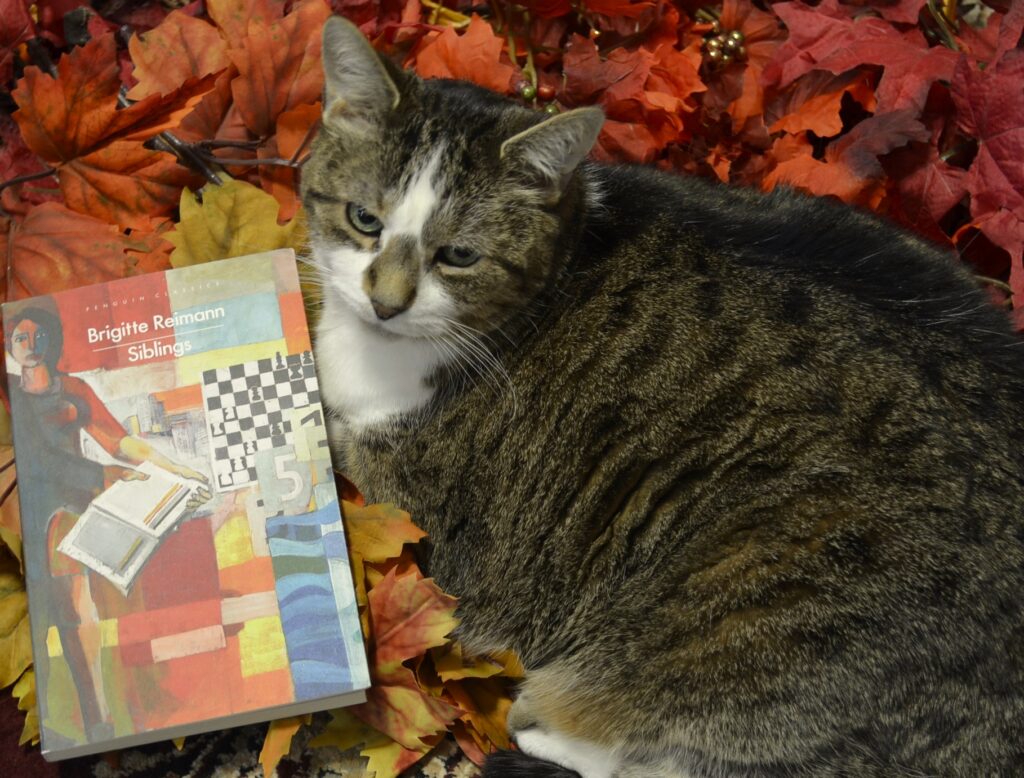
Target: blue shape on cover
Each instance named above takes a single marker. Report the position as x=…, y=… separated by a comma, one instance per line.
x=252, y=318
x=313, y=628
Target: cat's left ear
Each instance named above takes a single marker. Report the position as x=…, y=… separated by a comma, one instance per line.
x=551, y=150
x=360, y=87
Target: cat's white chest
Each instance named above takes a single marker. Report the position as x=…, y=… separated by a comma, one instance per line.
x=370, y=378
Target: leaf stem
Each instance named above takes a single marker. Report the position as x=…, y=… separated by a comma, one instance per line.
x=945, y=29
x=27, y=177
x=995, y=282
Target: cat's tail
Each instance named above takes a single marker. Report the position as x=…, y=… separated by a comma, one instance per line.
x=516, y=764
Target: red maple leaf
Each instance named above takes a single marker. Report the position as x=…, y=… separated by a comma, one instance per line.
x=851, y=169
x=16, y=27
x=473, y=56
x=819, y=40
x=73, y=122
x=990, y=107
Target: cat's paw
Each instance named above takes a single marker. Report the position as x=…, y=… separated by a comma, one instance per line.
x=587, y=759
x=516, y=764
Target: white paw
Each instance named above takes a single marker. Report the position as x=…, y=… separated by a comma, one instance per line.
x=588, y=759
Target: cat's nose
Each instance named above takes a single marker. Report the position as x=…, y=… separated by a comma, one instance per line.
x=385, y=311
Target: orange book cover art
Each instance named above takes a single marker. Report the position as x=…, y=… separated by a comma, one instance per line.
x=184, y=552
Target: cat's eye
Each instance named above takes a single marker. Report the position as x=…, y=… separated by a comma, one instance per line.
x=457, y=256
x=363, y=220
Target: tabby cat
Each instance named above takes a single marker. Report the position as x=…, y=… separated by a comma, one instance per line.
x=739, y=477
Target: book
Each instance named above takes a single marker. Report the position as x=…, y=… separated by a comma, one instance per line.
x=184, y=551
x=122, y=527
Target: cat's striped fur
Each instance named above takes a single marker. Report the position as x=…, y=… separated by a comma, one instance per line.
x=740, y=478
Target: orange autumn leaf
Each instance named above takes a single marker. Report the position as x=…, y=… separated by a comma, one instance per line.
x=55, y=248
x=65, y=117
x=124, y=183
x=813, y=102
x=233, y=16
x=379, y=532
x=295, y=130
x=398, y=708
x=278, y=741
x=473, y=56
x=410, y=614
x=74, y=124
x=179, y=48
x=486, y=704
x=279, y=66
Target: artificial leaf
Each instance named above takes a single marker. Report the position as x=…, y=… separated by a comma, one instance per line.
x=927, y=187
x=402, y=711
x=16, y=27
x=813, y=103
x=452, y=665
x=388, y=759
x=230, y=220
x=55, y=249
x=851, y=169
x=473, y=56
x=16, y=159
x=233, y=16
x=410, y=614
x=279, y=66
x=837, y=43
x=15, y=643
x=124, y=183
x=990, y=107
x=379, y=532
x=25, y=692
x=278, y=741
x=486, y=704
x=10, y=517
x=182, y=47
x=547, y=9
x=68, y=116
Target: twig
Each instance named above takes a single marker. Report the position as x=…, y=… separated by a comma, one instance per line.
x=185, y=152
x=27, y=177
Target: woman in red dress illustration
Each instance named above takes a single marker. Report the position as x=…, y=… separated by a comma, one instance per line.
x=57, y=483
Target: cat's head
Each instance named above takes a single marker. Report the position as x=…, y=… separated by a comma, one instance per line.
x=432, y=201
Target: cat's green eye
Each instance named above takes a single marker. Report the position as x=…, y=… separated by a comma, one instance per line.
x=457, y=256
x=363, y=220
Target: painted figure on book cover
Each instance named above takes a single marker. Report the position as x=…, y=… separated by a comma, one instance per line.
x=180, y=520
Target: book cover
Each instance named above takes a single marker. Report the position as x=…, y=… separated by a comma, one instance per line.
x=184, y=552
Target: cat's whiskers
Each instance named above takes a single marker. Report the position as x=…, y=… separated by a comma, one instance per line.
x=482, y=359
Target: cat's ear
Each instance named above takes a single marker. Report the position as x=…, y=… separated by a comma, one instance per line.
x=551, y=150
x=359, y=86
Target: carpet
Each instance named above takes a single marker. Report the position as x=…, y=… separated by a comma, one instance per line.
x=231, y=753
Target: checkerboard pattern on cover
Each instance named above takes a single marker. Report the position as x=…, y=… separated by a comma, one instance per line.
x=246, y=411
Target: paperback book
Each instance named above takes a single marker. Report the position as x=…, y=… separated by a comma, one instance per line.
x=184, y=551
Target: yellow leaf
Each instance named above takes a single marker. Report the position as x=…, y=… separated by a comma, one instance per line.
x=486, y=703
x=278, y=742
x=379, y=532
x=15, y=642
x=25, y=692
x=179, y=743
x=10, y=516
x=399, y=708
x=230, y=220
x=345, y=731
x=5, y=427
x=388, y=759
x=451, y=665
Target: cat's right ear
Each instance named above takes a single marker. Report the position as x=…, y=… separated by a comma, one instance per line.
x=359, y=87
